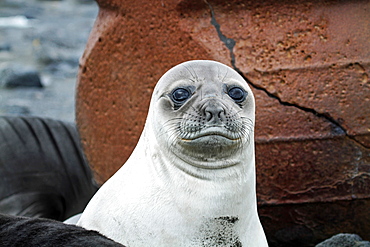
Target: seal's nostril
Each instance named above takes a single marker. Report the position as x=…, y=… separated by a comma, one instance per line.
x=209, y=116
x=221, y=115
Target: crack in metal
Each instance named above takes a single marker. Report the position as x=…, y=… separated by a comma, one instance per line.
x=230, y=44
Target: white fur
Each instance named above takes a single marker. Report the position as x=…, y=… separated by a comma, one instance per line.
x=162, y=196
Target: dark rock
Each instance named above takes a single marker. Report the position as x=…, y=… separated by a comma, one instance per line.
x=293, y=236
x=14, y=110
x=5, y=47
x=31, y=12
x=344, y=240
x=19, y=76
x=50, y=0
x=25, y=79
x=84, y=1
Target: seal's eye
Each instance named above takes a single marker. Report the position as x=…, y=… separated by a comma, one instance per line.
x=237, y=94
x=180, y=95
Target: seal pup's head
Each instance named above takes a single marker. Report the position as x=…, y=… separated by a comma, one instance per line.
x=203, y=112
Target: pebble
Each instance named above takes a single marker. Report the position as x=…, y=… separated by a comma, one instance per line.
x=12, y=76
x=344, y=240
x=14, y=110
x=5, y=47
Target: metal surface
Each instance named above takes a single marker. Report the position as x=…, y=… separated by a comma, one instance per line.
x=308, y=63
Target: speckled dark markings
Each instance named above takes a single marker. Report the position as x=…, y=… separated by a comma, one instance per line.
x=219, y=232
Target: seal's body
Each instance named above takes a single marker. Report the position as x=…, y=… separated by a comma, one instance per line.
x=191, y=179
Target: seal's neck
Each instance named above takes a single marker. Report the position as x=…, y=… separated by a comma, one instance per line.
x=235, y=167
x=221, y=176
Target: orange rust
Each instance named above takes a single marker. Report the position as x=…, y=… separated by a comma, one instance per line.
x=311, y=54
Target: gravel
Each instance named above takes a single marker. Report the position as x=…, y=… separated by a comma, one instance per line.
x=40, y=46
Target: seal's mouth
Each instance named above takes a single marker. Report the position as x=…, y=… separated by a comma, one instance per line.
x=214, y=132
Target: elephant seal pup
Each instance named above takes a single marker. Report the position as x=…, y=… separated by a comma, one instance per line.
x=191, y=179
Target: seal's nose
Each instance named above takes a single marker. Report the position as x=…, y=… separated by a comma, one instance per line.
x=214, y=112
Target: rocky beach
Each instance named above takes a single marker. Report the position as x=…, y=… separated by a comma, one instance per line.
x=40, y=46
x=308, y=63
